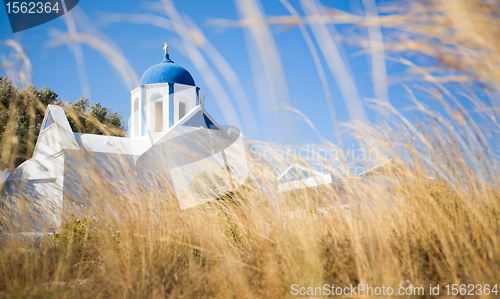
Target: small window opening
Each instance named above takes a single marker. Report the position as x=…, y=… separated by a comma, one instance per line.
x=182, y=109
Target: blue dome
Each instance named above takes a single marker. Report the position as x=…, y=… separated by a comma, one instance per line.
x=167, y=72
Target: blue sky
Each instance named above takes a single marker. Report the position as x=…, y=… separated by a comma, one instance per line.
x=142, y=45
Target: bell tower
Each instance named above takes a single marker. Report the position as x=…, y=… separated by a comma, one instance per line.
x=167, y=92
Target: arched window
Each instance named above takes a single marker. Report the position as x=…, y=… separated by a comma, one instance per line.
x=156, y=110
x=137, y=119
x=183, y=101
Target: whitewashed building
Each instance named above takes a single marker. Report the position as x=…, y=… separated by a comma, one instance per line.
x=172, y=139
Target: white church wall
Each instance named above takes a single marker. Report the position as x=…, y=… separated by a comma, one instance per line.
x=85, y=171
x=113, y=144
x=54, y=202
x=50, y=142
x=136, y=106
x=140, y=144
x=201, y=181
x=35, y=203
x=38, y=182
x=105, y=144
x=68, y=140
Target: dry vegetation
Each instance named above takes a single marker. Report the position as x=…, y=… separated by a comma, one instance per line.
x=406, y=229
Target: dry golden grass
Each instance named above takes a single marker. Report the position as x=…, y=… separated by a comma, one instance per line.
x=433, y=216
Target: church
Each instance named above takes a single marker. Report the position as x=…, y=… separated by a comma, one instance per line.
x=172, y=142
